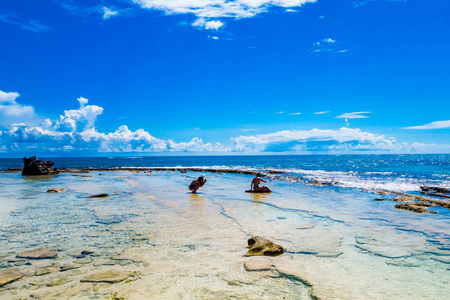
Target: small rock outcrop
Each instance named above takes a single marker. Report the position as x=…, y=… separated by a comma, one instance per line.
x=261, y=246
x=9, y=275
x=434, y=189
x=56, y=190
x=35, y=166
x=41, y=253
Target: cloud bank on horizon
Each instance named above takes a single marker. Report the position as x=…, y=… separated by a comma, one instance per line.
x=75, y=131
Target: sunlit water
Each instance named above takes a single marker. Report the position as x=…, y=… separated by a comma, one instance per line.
x=340, y=243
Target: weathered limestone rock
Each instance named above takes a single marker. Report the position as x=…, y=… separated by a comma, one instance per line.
x=258, y=265
x=415, y=207
x=40, y=253
x=34, y=166
x=56, y=190
x=58, y=281
x=70, y=267
x=41, y=272
x=112, y=276
x=260, y=246
x=9, y=275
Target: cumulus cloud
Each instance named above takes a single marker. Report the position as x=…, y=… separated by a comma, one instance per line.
x=207, y=10
x=12, y=112
x=432, y=125
x=75, y=130
x=342, y=140
x=354, y=115
x=205, y=24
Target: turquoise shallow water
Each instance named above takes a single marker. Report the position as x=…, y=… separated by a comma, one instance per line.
x=340, y=243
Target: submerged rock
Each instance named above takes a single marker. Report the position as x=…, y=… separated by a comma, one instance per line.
x=112, y=276
x=69, y=267
x=35, y=166
x=9, y=276
x=40, y=253
x=261, y=246
x=415, y=207
x=258, y=265
x=56, y=190
x=99, y=196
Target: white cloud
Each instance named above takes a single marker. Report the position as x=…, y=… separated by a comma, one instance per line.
x=29, y=25
x=218, y=8
x=75, y=131
x=108, y=13
x=295, y=114
x=321, y=112
x=206, y=10
x=278, y=113
x=326, y=45
x=12, y=112
x=432, y=125
x=205, y=24
x=342, y=140
x=354, y=115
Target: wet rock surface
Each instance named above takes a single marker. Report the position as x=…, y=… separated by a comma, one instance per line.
x=112, y=276
x=261, y=246
x=56, y=190
x=104, y=195
x=9, y=276
x=40, y=253
x=258, y=265
x=35, y=166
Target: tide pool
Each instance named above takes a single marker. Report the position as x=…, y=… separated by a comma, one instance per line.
x=170, y=244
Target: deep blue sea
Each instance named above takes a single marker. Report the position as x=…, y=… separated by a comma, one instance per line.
x=390, y=172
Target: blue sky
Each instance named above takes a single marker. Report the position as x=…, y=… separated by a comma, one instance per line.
x=224, y=77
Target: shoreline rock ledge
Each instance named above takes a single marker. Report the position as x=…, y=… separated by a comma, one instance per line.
x=35, y=166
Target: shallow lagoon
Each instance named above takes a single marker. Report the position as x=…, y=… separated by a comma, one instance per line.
x=341, y=244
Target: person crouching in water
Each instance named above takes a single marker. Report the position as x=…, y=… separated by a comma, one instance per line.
x=196, y=184
x=255, y=184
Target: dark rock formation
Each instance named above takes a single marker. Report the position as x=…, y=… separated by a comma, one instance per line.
x=434, y=189
x=99, y=196
x=34, y=166
x=260, y=246
x=415, y=207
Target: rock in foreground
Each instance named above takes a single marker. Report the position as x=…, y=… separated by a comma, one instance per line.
x=56, y=190
x=35, y=166
x=9, y=275
x=41, y=253
x=112, y=276
x=260, y=246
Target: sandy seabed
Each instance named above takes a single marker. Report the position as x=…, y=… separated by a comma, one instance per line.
x=162, y=242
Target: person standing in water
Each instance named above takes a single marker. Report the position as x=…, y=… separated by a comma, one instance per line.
x=255, y=184
x=197, y=183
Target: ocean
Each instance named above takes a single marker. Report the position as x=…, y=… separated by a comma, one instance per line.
x=403, y=173
x=150, y=238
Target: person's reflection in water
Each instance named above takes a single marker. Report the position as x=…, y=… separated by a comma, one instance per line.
x=259, y=197
x=197, y=202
